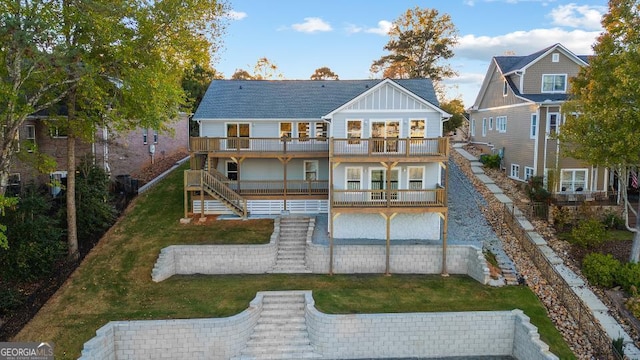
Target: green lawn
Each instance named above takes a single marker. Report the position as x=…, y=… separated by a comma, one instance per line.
x=114, y=282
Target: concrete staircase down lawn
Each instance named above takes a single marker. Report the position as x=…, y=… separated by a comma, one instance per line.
x=281, y=331
x=291, y=246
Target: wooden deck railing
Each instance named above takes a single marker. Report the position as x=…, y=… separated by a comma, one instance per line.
x=339, y=147
x=389, y=198
x=393, y=147
x=246, y=144
x=276, y=187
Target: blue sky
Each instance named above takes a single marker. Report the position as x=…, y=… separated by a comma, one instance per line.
x=300, y=36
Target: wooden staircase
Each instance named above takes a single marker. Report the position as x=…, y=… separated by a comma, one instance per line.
x=212, y=184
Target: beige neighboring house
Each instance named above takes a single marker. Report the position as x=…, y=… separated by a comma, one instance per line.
x=517, y=111
x=117, y=153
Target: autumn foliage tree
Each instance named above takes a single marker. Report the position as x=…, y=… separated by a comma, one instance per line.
x=324, y=73
x=420, y=39
x=603, y=117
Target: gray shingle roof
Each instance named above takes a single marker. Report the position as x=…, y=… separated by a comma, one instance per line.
x=291, y=99
x=508, y=64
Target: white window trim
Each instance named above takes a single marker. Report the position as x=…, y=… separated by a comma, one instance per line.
x=346, y=127
x=386, y=122
x=304, y=169
x=425, y=127
x=574, y=170
x=346, y=176
x=553, y=91
x=29, y=138
x=534, y=125
x=423, y=179
x=226, y=169
x=473, y=127
x=517, y=168
x=501, y=124
x=155, y=136
x=484, y=126
x=555, y=57
x=505, y=88
x=291, y=132
x=491, y=123
x=529, y=169
x=145, y=136
x=558, y=120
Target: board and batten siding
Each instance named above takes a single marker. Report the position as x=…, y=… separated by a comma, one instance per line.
x=272, y=169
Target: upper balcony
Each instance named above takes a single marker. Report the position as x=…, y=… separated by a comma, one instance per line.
x=340, y=150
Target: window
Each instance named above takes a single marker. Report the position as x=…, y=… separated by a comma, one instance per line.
x=554, y=83
x=505, y=88
x=501, y=124
x=58, y=131
x=490, y=123
x=311, y=169
x=31, y=137
x=416, y=177
x=473, y=127
x=515, y=171
x=235, y=131
x=58, y=182
x=232, y=170
x=155, y=136
x=145, y=134
x=552, y=122
x=303, y=131
x=555, y=57
x=354, y=178
x=484, y=126
x=417, y=129
x=354, y=131
x=13, y=186
x=286, y=130
x=573, y=179
x=528, y=172
x=533, y=129
x=321, y=131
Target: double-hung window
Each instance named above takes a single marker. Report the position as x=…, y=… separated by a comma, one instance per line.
x=528, y=172
x=311, y=169
x=554, y=83
x=515, y=171
x=484, y=126
x=31, y=137
x=286, y=130
x=416, y=177
x=303, y=131
x=473, y=127
x=501, y=124
x=533, y=129
x=354, y=131
x=231, y=168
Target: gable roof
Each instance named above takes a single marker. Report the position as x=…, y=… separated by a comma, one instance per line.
x=292, y=99
x=510, y=64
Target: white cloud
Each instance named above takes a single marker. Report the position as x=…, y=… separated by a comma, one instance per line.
x=353, y=29
x=383, y=28
x=578, y=16
x=236, y=15
x=524, y=43
x=311, y=25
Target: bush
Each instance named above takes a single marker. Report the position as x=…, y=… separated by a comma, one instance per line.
x=601, y=270
x=491, y=161
x=561, y=218
x=35, y=239
x=612, y=220
x=536, y=191
x=629, y=276
x=588, y=233
x=10, y=299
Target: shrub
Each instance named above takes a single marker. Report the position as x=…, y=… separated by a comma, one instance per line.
x=536, y=191
x=590, y=232
x=612, y=220
x=600, y=270
x=491, y=161
x=35, y=239
x=561, y=218
x=10, y=299
x=629, y=276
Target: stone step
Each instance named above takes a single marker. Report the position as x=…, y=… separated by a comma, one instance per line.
x=291, y=250
x=296, y=270
x=291, y=247
x=291, y=253
x=294, y=311
x=285, y=298
x=280, y=356
x=277, y=349
x=290, y=262
x=280, y=326
x=298, y=307
x=293, y=339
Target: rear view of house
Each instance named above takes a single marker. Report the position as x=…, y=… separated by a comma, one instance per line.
x=368, y=153
x=518, y=111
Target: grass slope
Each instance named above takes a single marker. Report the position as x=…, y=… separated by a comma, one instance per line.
x=114, y=282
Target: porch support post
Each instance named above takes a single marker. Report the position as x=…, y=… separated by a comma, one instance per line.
x=444, y=272
x=202, y=218
x=331, y=219
x=284, y=161
x=186, y=195
x=388, y=218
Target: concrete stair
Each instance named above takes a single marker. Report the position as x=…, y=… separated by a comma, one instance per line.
x=281, y=331
x=291, y=246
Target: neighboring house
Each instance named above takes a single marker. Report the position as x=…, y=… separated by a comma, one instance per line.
x=369, y=153
x=119, y=153
x=517, y=112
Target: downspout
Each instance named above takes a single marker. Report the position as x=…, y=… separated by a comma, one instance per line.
x=105, y=144
x=535, y=144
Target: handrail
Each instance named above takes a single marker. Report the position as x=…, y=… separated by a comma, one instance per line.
x=256, y=144
x=209, y=181
x=389, y=197
x=390, y=146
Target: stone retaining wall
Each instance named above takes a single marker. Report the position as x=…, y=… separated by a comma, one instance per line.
x=490, y=333
x=348, y=259
x=217, y=339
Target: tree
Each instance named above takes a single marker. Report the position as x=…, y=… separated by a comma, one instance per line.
x=454, y=107
x=324, y=73
x=264, y=69
x=195, y=83
x=420, y=39
x=603, y=118
x=118, y=65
